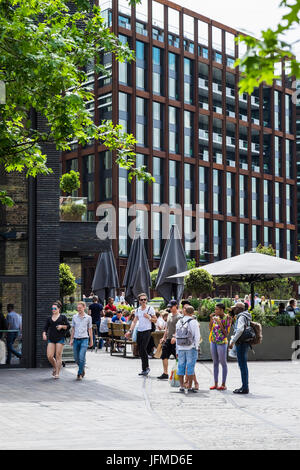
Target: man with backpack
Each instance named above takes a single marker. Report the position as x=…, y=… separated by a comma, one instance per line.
x=187, y=340
x=243, y=319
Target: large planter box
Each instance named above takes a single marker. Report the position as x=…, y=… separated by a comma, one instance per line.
x=276, y=345
x=205, y=354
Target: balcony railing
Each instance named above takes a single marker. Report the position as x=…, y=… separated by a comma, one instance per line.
x=73, y=209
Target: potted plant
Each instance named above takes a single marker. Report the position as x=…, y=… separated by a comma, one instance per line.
x=70, y=209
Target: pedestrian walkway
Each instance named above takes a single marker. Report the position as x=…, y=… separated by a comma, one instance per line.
x=113, y=408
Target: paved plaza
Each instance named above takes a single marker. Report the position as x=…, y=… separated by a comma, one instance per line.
x=113, y=408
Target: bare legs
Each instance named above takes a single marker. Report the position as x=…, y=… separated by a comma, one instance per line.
x=54, y=354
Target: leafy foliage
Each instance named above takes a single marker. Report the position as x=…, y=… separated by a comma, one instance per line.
x=47, y=49
x=153, y=276
x=70, y=182
x=263, y=54
x=72, y=211
x=67, y=284
x=199, y=281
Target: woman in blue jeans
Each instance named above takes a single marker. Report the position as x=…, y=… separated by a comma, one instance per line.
x=243, y=318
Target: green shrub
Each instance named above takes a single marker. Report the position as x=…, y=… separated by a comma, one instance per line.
x=198, y=282
x=67, y=284
x=72, y=211
x=153, y=276
x=195, y=303
x=69, y=182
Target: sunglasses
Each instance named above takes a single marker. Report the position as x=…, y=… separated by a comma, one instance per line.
x=54, y=308
x=143, y=300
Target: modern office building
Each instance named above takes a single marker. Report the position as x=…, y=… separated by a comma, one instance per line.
x=224, y=165
x=226, y=162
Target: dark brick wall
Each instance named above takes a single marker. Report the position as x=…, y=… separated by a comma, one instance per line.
x=47, y=247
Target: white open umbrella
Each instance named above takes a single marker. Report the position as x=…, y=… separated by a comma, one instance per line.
x=251, y=267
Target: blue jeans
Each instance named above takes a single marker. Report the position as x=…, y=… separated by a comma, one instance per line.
x=242, y=356
x=79, y=349
x=186, y=361
x=10, y=339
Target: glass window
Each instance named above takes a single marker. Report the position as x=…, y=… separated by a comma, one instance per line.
x=202, y=33
x=188, y=133
x=105, y=175
x=230, y=192
x=123, y=224
x=141, y=121
x=156, y=234
x=173, y=183
x=278, y=202
x=231, y=245
x=158, y=185
x=278, y=156
x=141, y=65
x=189, y=172
x=267, y=200
x=124, y=67
x=158, y=21
x=277, y=111
x=217, y=239
x=243, y=238
x=243, y=196
x=141, y=186
x=188, y=81
x=217, y=192
x=173, y=76
x=173, y=130
x=255, y=198
x=203, y=186
x=88, y=177
x=157, y=126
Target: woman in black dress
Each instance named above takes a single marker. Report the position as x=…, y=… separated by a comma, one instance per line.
x=55, y=332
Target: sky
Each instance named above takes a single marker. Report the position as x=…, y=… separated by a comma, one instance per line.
x=245, y=16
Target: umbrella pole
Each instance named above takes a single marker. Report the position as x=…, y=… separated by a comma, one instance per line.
x=252, y=295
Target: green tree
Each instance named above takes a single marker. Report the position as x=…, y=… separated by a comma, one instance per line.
x=47, y=49
x=153, y=276
x=263, y=54
x=199, y=282
x=67, y=284
x=70, y=182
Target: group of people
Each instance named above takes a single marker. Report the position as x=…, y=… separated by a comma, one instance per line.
x=181, y=338
x=187, y=351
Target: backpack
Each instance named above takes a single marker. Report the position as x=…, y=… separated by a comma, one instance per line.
x=252, y=333
x=184, y=335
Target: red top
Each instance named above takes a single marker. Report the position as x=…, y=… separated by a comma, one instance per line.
x=112, y=308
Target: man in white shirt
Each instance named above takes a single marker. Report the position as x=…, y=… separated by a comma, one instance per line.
x=81, y=337
x=188, y=340
x=146, y=316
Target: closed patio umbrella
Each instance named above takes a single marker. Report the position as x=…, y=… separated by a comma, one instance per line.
x=137, y=277
x=251, y=267
x=173, y=260
x=106, y=279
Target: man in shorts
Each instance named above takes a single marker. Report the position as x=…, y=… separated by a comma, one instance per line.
x=168, y=348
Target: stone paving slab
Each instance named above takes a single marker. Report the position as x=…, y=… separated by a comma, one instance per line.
x=114, y=409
